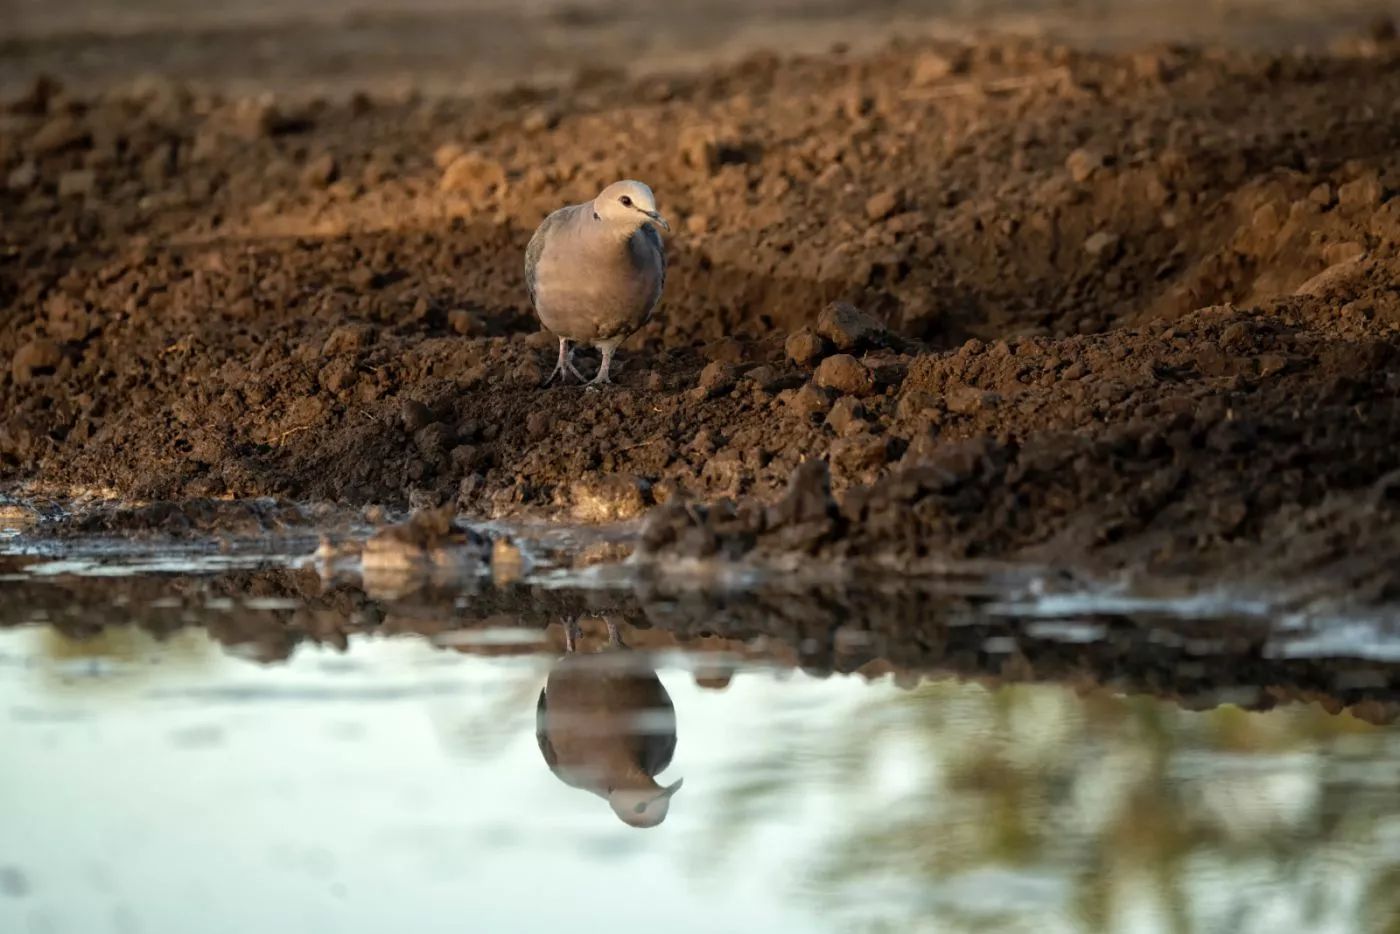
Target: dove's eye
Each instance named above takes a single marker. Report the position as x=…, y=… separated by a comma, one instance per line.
x=640, y=809
x=626, y=201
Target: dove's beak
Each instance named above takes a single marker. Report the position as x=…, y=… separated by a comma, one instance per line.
x=671, y=788
x=658, y=219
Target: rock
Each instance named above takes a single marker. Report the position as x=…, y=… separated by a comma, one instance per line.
x=715, y=379
x=803, y=347
x=883, y=204
x=77, y=183
x=321, y=171
x=473, y=174
x=845, y=374
x=847, y=416
x=33, y=359
x=22, y=177
x=847, y=327
x=608, y=497
x=1103, y=245
x=348, y=338
x=36, y=97
x=1082, y=164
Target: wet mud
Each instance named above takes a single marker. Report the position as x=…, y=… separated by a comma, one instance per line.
x=969, y=629
x=1017, y=299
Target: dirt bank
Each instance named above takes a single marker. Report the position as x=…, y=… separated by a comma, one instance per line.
x=1143, y=305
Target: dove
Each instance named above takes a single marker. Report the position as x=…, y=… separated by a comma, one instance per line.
x=595, y=272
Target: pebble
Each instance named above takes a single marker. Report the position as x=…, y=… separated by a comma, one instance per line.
x=845, y=374
x=1102, y=244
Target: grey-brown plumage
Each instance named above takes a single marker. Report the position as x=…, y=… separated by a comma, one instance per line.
x=595, y=272
x=606, y=724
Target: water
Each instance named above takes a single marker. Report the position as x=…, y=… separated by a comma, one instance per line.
x=242, y=739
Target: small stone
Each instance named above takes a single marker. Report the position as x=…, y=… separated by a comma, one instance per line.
x=1082, y=164
x=803, y=347
x=716, y=379
x=883, y=204
x=77, y=183
x=846, y=326
x=473, y=174
x=845, y=374
x=415, y=415
x=22, y=177
x=847, y=416
x=348, y=338
x=321, y=171
x=1103, y=245
x=34, y=358
x=1269, y=364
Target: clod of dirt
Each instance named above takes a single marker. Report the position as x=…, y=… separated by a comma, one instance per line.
x=803, y=347
x=609, y=498
x=473, y=174
x=844, y=373
x=33, y=359
x=884, y=204
x=716, y=379
x=848, y=328
x=429, y=538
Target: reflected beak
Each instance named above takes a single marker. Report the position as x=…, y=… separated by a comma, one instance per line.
x=671, y=789
x=658, y=219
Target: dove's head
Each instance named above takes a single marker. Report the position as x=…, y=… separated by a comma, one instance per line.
x=629, y=205
x=643, y=807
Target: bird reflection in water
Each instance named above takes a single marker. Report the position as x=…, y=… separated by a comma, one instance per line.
x=605, y=724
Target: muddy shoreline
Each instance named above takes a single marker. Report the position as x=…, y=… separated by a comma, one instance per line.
x=1131, y=309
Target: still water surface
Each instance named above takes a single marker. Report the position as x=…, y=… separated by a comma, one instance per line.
x=178, y=784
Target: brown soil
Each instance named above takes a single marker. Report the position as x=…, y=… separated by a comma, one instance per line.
x=1141, y=305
